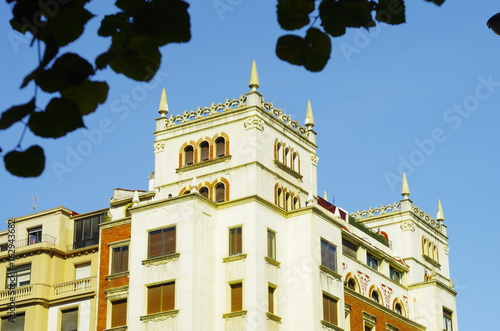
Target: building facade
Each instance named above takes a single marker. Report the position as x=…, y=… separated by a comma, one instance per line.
x=232, y=235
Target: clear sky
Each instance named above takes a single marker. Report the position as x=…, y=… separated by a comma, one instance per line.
x=423, y=97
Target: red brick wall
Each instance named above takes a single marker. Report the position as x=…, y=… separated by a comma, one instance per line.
x=357, y=309
x=116, y=233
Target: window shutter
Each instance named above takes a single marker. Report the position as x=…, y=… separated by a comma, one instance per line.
x=220, y=146
x=236, y=297
x=124, y=258
x=220, y=192
x=119, y=313
x=169, y=240
x=168, y=296
x=188, y=155
x=155, y=243
x=330, y=309
x=204, y=147
x=270, y=299
x=115, y=266
x=82, y=271
x=154, y=299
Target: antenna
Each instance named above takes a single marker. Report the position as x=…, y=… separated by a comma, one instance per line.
x=33, y=205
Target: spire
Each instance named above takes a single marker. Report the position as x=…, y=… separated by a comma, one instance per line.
x=439, y=214
x=309, y=122
x=405, y=188
x=325, y=195
x=163, y=107
x=135, y=198
x=254, y=77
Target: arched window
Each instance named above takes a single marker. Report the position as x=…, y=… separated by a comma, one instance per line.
x=429, y=249
x=398, y=308
x=220, y=192
x=296, y=204
x=295, y=162
x=351, y=284
x=204, y=151
x=188, y=155
x=424, y=246
x=288, y=202
x=279, y=197
x=278, y=152
x=435, y=254
x=375, y=296
x=204, y=191
x=220, y=146
x=186, y=192
x=285, y=158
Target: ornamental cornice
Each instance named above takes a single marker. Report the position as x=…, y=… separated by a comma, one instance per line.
x=408, y=226
x=164, y=259
x=254, y=123
x=156, y=317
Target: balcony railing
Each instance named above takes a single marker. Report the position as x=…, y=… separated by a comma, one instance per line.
x=46, y=238
x=83, y=243
x=45, y=291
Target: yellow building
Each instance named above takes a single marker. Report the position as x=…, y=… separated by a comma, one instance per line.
x=48, y=269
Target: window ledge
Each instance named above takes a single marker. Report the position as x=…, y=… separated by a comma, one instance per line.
x=431, y=261
x=272, y=261
x=159, y=260
x=118, y=328
x=233, y=258
x=233, y=314
x=329, y=271
x=159, y=316
x=273, y=317
x=117, y=275
x=287, y=169
x=203, y=163
x=331, y=325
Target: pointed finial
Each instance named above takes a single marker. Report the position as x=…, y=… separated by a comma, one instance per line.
x=135, y=199
x=163, y=107
x=194, y=185
x=405, y=188
x=325, y=196
x=309, y=122
x=310, y=199
x=254, y=77
x=439, y=214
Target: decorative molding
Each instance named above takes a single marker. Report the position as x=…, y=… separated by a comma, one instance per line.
x=314, y=159
x=118, y=328
x=118, y=275
x=254, y=123
x=272, y=317
x=364, y=280
x=161, y=316
x=272, y=261
x=344, y=266
x=369, y=319
x=387, y=292
x=233, y=258
x=286, y=119
x=447, y=249
x=203, y=163
x=390, y=327
x=234, y=314
x=408, y=225
x=287, y=169
x=329, y=272
x=431, y=261
x=159, y=260
x=384, y=209
x=117, y=293
x=159, y=146
x=330, y=326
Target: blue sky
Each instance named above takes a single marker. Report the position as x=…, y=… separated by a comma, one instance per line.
x=423, y=97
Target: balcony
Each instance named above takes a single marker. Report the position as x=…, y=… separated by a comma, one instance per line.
x=50, y=292
x=83, y=244
x=45, y=238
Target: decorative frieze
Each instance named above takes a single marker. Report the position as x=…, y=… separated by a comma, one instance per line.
x=159, y=146
x=408, y=226
x=254, y=123
x=314, y=159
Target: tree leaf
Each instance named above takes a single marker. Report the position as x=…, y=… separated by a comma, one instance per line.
x=68, y=70
x=111, y=24
x=28, y=163
x=294, y=14
x=437, y=2
x=16, y=113
x=318, y=52
x=60, y=117
x=133, y=6
x=87, y=95
x=390, y=11
x=337, y=16
x=292, y=49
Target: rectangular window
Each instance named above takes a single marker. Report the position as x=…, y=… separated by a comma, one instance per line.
x=87, y=231
x=119, y=261
x=18, y=276
x=328, y=255
x=447, y=320
x=17, y=326
x=119, y=313
x=161, y=297
x=372, y=261
x=82, y=270
x=349, y=248
x=162, y=242
x=69, y=320
x=270, y=299
x=35, y=235
x=235, y=241
x=271, y=244
x=236, y=297
x=330, y=309
x=395, y=274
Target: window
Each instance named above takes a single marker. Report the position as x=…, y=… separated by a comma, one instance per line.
x=328, y=255
x=351, y=284
x=285, y=158
x=395, y=275
x=69, y=319
x=188, y=155
x=161, y=298
x=235, y=241
x=119, y=259
x=18, y=276
x=287, y=201
x=447, y=320
x=82, y=270
x=278, y=152
x=35, y=235
x=220, y=146
x=375, y=296
x=398, y=308
x=296, y=204
x=17, y=326
x=220, y=192
x=236, y=297
x=271, y=244
x=204, y=151
x=349, y=248
x=294, y=162
x=279, y=197
x=162, y=242
x=204, y=191
x=372, y=261
x=118, y=313
x=330, y=309
x=87, y=231
x=270, y=299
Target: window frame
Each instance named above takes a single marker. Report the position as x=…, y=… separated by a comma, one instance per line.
x=349, y=250
x=235, y=289
x=370, y=259
x=114, y=320
x=220, y=145
x=204, y=147
x=271, y=244
x=25, y=269
x=69, y=310
x=162, y=232
x=34, y=233
x=271, y=299
x=447, y=319
x=185, y=154
x=326, y=256
x=122, y=260
x=330, y=305
x=396, y=275
x=235, y=244
x=164, y=289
